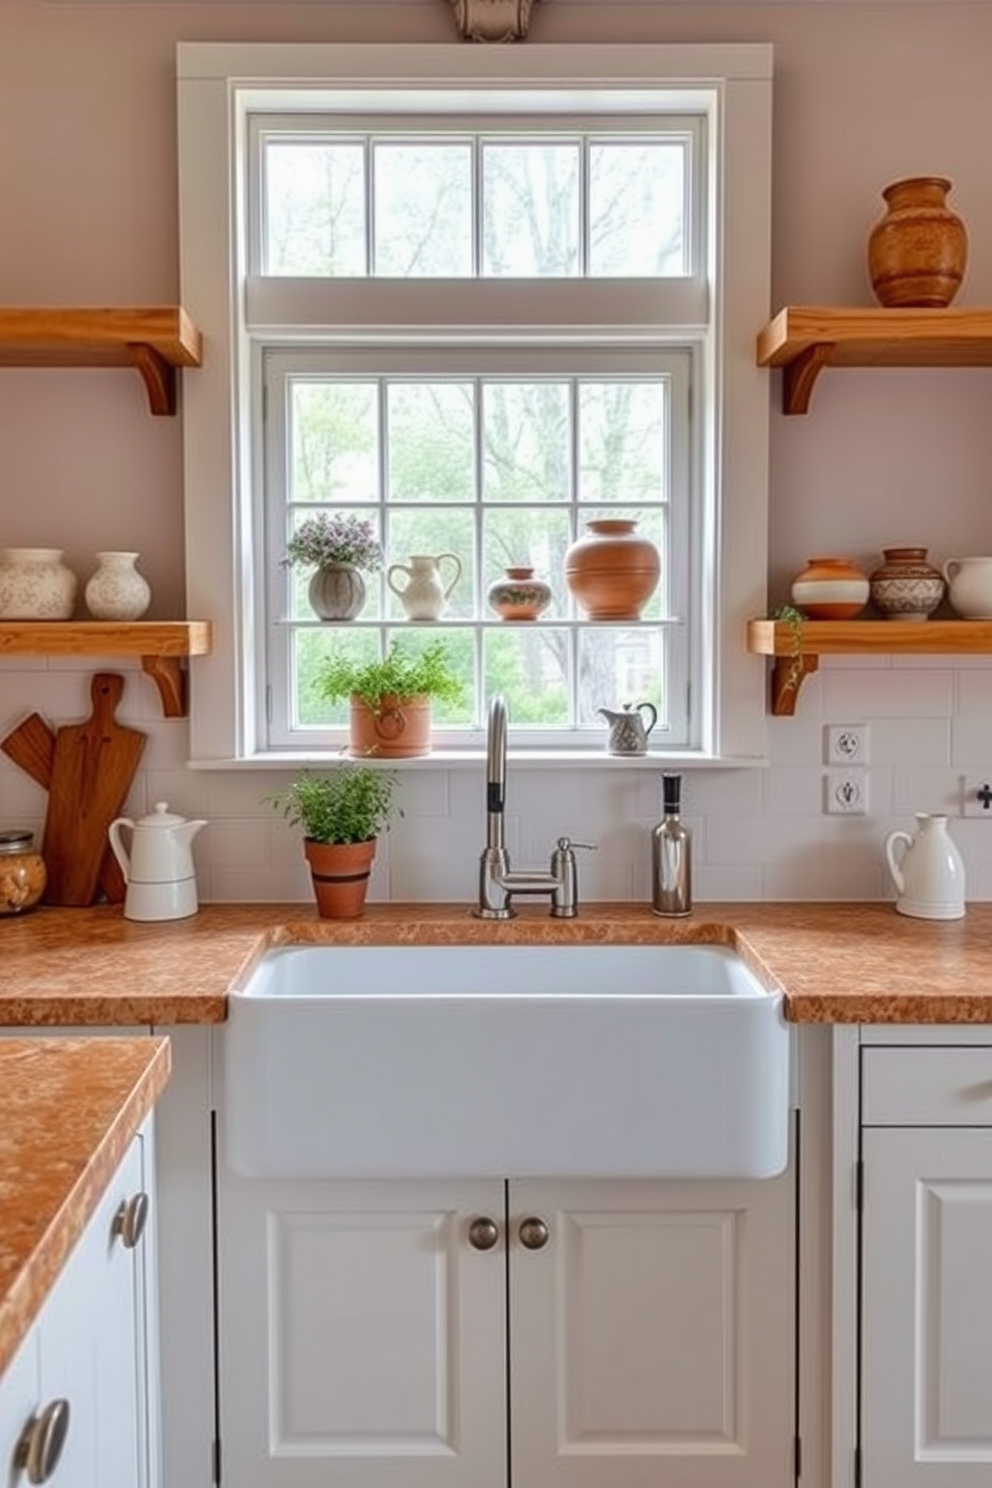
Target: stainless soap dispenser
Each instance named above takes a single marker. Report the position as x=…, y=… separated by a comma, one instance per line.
x=671, y=855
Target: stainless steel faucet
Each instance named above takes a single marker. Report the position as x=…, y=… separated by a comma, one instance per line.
x=497, y=881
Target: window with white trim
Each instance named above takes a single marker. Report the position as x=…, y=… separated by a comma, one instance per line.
x=477, y=300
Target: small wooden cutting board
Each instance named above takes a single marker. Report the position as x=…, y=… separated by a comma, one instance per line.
x=92, y=769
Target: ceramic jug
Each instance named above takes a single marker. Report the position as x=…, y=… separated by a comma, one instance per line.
x=928, y=872
x=969, y=587
x=424, y=596
x=158, y=871
x=629, y=728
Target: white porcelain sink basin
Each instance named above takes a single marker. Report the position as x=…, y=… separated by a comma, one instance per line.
x=507, y=1060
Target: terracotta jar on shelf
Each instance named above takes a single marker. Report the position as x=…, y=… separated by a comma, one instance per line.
x=612, y=570
x=830, y=589
x=906, y=586
x=917, y=253
x=518, y=595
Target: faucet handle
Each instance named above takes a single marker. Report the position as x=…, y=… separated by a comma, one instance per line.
x=565, y=844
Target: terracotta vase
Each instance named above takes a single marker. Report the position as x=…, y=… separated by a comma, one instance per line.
x=336, y=592
x=519, y=596
x=611, y=570
x=399, y=728
x=918, y=251
x=340, y=874
x=830, y=589
x=906, y=586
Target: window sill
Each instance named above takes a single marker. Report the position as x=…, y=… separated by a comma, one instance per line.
x=475, y=759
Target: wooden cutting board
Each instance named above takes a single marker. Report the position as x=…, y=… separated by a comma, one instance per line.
x=32, y=746
x=92, y=769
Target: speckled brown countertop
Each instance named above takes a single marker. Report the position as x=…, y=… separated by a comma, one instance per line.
x=68, y=1111
x=837, y=963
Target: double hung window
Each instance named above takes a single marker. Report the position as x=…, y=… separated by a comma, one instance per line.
x=478, y=303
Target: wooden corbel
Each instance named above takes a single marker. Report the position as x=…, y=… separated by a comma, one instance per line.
x=492, y=20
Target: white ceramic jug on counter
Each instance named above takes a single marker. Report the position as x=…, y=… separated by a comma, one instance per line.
x=158, y=871
x=969, y=587
x=928, y=872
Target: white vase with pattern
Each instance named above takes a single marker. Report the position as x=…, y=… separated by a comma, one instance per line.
x=35, y=584
x=116, y=590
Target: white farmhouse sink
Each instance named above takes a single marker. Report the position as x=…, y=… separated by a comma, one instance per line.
x=505, y=1060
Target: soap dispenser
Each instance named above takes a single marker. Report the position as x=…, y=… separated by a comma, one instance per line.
x=671, y=855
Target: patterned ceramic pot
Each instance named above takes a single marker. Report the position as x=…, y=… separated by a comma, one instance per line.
x=917, y=253
x=336, y=592
x=906, y=586
x=519, y=596
x=36, y=585
x=830, y=589
x=117, y=591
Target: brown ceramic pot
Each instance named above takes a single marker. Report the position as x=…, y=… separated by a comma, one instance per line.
x=398, y=728
x=340, y=874
x=611, y=570
x=905, y=586
x=519, y=596
x=830, y=589
x=917, y=253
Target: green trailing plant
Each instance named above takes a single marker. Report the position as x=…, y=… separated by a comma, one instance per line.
x=351, y=803
x=788, y=614
x=400, y=673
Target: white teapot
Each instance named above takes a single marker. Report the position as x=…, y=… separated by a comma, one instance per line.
x=929, y=872
x=158, y=871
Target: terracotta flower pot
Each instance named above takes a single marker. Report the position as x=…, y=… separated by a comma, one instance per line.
x=399, y=728
x=830, y=589
x=340, y=874
x=611, y=570
x=917, y=253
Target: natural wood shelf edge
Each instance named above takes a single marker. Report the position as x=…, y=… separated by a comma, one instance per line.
x=796, y=649
x=804, y=339
x=160, y=644
x=154, y=340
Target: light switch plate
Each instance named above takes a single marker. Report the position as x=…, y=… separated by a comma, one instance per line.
x=976, y=795
x=846, y=744
x=845, y=793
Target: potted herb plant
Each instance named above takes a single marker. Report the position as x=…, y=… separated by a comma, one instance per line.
x=341, y=814
x=339, y=549
x=391, y=697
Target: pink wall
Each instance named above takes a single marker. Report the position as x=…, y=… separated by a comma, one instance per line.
x=865, y=93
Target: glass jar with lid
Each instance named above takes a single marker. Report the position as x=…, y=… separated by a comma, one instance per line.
x=22, y=872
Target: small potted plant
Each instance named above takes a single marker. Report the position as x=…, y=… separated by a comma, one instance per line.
x=391, y=697
x=339, y=549
x=341, y=814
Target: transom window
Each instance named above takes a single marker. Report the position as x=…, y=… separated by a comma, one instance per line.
x=476, y=309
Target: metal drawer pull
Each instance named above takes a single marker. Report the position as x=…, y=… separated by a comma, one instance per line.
x=40, y=1446
x=483, y=1233
x=534, y=1233
x=130, y=1220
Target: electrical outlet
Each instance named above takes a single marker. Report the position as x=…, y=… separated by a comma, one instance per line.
x=847, y=744
x=845, y=793
x=976, y=795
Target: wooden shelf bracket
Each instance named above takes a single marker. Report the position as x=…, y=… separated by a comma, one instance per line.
x=169, y=677
x=787, y=677
x=159, y=378
x=798, y=377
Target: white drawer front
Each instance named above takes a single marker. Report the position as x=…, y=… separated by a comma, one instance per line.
x=927, y=1087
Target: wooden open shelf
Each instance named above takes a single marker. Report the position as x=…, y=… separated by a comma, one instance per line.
x=803, y=339
x=161, y=644
x=797, y=657
x=154, y=340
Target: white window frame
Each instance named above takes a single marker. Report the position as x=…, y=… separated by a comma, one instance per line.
x=219, y=84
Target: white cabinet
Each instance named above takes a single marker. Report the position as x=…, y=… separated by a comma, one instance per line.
x=78, y=1397
x=470, y=1334
x=926, y=1235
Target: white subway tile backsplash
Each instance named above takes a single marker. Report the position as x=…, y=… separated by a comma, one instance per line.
x=884, y=693
x=905, y=742
x=925, y=790
x=794, y=792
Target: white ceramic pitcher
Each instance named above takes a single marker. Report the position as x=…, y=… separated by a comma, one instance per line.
x=424, y=596
x=158, y=871
x=969, y=587
x=928, y=872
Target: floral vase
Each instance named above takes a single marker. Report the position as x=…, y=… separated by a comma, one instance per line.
x=918, y=251
x=336, y=592
x=906, y=586
x=611, y=570
x=519, y=596
x=116, y=590
x=35, y=584
x=830, y=589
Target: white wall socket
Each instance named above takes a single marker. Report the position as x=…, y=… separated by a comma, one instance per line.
x=976, y=795
x=846, y=744
x=845, y=793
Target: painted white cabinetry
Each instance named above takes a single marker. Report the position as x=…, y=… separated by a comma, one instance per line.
x=470, y=1334
x=926, y=1238
x=77, y=1403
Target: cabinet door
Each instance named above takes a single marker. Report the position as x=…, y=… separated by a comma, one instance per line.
x=927, y=1309
x=20, y=1393
x=652, y=1337
x=362, y=1335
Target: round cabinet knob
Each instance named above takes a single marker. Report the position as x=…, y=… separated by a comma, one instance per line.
x=130, y=1220
x=40, y=1446
x=534, y=1233
x=483, y=1233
